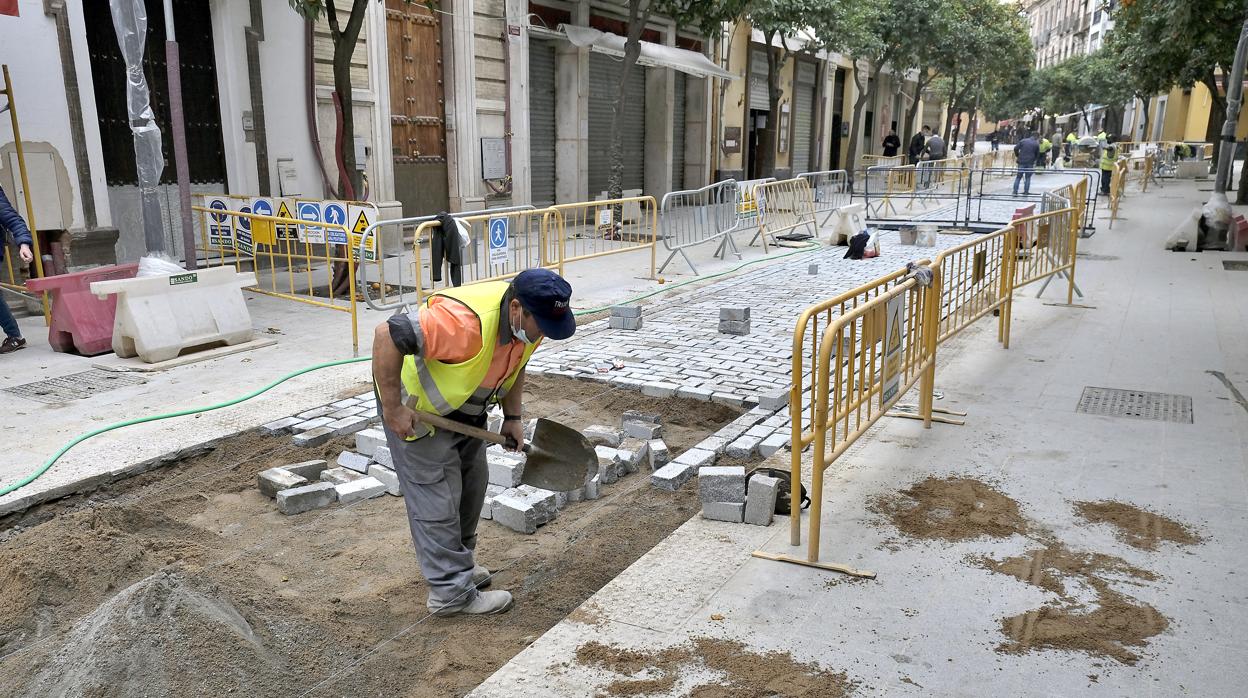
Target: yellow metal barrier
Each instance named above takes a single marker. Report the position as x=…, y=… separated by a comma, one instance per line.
x=598, y=228
x=784, y=206
x=292, y=264
x=881, y=339
x=524, y=239
x=870, y=354
x=1117, y=188
x=13, y=279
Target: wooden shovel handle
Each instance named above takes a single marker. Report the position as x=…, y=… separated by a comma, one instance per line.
x=460, y=428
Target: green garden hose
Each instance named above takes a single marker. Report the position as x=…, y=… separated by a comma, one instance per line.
x=328, y=364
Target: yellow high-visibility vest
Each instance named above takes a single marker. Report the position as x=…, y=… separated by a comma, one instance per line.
x=442, y=388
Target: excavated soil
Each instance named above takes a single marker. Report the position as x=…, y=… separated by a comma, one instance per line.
x=1135, y=526
x=1090, y=614
x=1107, y=626
x=185, y=581
x=951, y=509
x=744, y=674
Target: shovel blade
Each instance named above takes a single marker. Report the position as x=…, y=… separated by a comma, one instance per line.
x=560, y=458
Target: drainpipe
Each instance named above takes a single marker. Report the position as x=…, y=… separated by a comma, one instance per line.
x=73, y=102
x=177, y=124
x=254, y=35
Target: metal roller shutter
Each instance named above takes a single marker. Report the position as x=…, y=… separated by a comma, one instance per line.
x=542, y=121
x=604, y=77
x=759, y=99
x=678, y=133
x=803, y=117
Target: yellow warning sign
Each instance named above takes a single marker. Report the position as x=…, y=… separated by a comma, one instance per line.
x=361, y=224
x=286, y=232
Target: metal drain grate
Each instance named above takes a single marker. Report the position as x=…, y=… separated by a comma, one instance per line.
x=1136, y=404
x=76, y=386
x=1234, y=265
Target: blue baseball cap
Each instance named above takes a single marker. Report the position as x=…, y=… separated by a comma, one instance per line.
x=546, y=296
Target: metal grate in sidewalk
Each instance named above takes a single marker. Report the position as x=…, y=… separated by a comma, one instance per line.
x=1136, y=404
x=75, y=386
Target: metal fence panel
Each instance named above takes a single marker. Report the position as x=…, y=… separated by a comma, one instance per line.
x=692, y=217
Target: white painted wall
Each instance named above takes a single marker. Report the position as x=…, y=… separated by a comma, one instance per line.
x=39, y=89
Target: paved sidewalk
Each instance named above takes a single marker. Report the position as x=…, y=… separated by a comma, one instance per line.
x=931, y=624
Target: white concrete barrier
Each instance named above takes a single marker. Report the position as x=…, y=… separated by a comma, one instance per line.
x=850, y=220
x=160, y=316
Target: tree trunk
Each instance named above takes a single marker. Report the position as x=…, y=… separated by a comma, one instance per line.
x=855, y=128
x=949, y=109
x=1144, y=124
x=971, y=128
x=912, y=111
x=632, y=50
x=344, y=40
x=1217, y=116
x=769, y=137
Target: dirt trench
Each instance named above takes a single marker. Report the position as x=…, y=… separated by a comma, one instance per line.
x=185, y=581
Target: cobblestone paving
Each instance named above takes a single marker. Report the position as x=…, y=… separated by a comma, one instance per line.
x=680, y=351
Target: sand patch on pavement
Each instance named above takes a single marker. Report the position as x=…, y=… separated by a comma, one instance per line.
x=953, y=509
x=1137, y=527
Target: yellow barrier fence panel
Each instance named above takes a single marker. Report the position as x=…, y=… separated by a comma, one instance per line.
x=784, y=207
x=594, y=229
x=1047, y=244
x=500, y=245
x=311, y=266
x=868, y=357
x=973, y=280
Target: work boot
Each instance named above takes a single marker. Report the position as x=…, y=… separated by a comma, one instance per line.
x=483, y=604
x=12, y=344
x=480, y=577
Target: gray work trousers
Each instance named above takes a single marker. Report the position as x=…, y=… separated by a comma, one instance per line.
x=443, y=477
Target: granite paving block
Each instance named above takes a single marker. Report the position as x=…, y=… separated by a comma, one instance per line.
x=273, y=480
x=315, y=437
x=367, y=441
x=387, y=477
x=310, y=469
x=731, y=512
x=356, y=490
x=721, y=483
x=354, y=461
x=760, y=500
x=280, y=426
x=306, y=498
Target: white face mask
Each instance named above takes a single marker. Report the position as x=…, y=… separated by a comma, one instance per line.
x=521, y=335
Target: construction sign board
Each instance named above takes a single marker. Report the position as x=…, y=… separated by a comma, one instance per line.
x=893, y=332
x=242, y=232
x=361, y=217
x=498, y=240
x=262, y=232
x=335, y=212
x=310, y=211
x=220, y=228
x=286, y=209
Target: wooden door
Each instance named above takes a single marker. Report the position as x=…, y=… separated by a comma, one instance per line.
x=417, y=106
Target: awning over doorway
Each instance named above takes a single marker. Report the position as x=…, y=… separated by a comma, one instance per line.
x=652, y=54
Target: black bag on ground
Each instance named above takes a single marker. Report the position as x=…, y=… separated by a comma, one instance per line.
x=857, y=245
x=786, y=486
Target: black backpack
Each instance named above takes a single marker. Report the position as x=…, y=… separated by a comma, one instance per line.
x=786, y=486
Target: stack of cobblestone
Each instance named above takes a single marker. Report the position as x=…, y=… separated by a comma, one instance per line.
x=318, y=425
x=625, y=317
x=757, y=433
x=727, y=496
x=735, y=321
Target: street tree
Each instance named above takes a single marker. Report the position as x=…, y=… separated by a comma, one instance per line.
x=1180, y=42
x=708, y=16
x=344, y=36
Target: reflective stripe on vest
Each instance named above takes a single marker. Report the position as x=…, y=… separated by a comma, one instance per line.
x=444, y=388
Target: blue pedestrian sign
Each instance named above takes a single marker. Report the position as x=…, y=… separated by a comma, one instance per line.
x=336, y=214
x=498, y=240
x=310, y=211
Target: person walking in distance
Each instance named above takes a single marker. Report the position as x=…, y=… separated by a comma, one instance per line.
x=1027, y=153
x=11, y=221
x=456, y=354
x=1109, y=157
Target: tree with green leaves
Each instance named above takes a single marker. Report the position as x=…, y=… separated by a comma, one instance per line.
x=1161, y=43
x=707, y=16
x=344, y=36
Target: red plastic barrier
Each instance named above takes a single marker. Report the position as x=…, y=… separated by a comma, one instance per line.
x=81, y=322
x=1239, y=236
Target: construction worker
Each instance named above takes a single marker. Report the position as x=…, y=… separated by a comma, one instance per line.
x=460, y=351
x=1045, y=146
x=1109, y=157
x=1071, y=138
x=11, y=221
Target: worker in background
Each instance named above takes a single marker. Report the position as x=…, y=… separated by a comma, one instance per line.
x=891, y=144
x=1071, y=138
x=1109, y=156
x=460, y=351
x=1045, y=146
x=11, y=221
x=917, y=143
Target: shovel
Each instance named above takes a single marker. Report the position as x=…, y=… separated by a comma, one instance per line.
x=560, y=458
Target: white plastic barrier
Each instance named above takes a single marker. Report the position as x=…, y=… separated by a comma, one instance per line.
x=850, y=220
x=159, y=316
